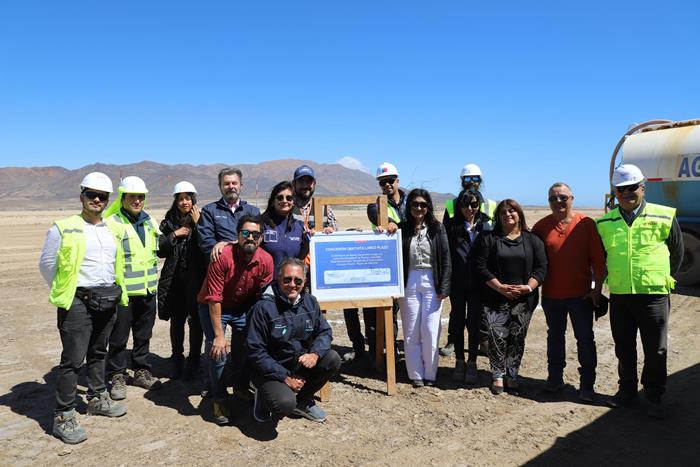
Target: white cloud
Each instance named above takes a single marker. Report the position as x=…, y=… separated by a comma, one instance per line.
x=352, y=163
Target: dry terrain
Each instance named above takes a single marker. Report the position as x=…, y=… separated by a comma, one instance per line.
x=448, y=425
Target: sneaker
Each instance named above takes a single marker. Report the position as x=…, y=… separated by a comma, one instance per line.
x=221, y=412
x=261, y=413
x=429, y=382
x=496, y=389
x=460, y=370
x=586, y=395
x=622, y=399
x=310, y=411
x=552, y=387
x=102, y=404
x=471, y=376
x=144, y=379
x=448, y=350
x=118, y=391
x=67, y=429
x=349, y=356
x=417, y=383
x=178, y=367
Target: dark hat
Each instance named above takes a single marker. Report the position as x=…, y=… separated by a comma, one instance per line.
x=304, y=171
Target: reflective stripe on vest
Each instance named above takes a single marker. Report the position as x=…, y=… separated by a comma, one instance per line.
x=637, y=256
x=140, y=261
x=69, y=258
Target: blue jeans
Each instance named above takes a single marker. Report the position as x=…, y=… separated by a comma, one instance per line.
x=581, y=313
x=236, y=359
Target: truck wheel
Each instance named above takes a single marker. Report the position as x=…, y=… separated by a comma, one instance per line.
x=689, y=272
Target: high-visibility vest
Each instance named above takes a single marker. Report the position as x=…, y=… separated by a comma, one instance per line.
x=140, y=260
x=488, y=207
x=393, y=214
x=69, y=258
x=638, y=259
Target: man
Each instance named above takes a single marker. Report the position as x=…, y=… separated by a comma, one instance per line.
x=388, y=178
x=234, y=283
x=140, y=244
x=289, y=348
x=83, y=263
x=219, y=220
x=644, y=246
x=574, y=251
x=470, y=177
x=304, y=187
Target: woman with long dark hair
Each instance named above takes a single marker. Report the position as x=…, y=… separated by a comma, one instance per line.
x=283, y=236
x=181, y=277
x=466, y=225
x=512, y=263
x=427, y=273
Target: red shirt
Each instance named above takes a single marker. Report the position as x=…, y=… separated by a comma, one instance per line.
x=574, y=255
x=233, y=282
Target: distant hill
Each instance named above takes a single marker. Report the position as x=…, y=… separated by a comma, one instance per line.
x=56, y=187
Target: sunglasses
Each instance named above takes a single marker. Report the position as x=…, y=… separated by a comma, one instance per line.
x=622, y=189
x=419, y=205
x=557, y=198
x=256, y=234
x=471, y=178
x=139, y=196
x=89, y=194
x=284, y=198
x=387, y=181
x=472, y=205
x=289, y=279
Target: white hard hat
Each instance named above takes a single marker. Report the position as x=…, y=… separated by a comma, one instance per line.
x=627, y=174
x=470, y=170
x=97, y=181
x=184, y=187
x=132, y=184
x=386, y=169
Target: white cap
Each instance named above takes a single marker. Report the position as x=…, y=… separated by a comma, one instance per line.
x=184, y=187
x=386, y=169
x=132, y=184
x=627, y=174
x=470, y=170
x=97, y=181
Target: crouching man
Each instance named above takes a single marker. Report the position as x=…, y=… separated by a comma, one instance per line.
x=289, y=348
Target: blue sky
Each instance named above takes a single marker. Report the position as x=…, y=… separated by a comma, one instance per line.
x=533, y=92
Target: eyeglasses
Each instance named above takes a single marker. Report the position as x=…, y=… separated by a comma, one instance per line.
x=289, y=279
x=471, y=178
x=622, y=189
x=139, y=196
x=284, y=198
x=472, y=205
x=419, y=205
x=256, y=234
x=557, y=198
x=89, y=194
x=387, y=181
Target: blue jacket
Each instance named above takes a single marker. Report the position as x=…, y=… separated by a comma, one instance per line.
x=280, y=332
x=286, y=239
x=218, y=224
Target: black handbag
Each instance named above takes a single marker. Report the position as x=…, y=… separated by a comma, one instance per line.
x=100, y=299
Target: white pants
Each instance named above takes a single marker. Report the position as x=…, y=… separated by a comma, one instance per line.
x=420, y=320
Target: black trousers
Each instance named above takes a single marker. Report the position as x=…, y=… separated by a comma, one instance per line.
x=281, y=400
x=464, y=312
x=649, y=314
x=138, y=316
x=84, y=333
x=369, y=315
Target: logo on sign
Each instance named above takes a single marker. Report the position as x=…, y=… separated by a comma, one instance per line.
x=690, y=166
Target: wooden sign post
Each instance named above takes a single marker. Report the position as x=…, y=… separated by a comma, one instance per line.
x=385, y=327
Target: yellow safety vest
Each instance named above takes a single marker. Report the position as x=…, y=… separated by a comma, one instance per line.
x=638, y=259
x=488, y=207
x=394, y=215
x=140, y=261
x=70, y=257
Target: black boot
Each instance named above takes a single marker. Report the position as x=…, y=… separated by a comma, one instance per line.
x=178, y=363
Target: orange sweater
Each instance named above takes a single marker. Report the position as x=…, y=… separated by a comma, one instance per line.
x=574, y=254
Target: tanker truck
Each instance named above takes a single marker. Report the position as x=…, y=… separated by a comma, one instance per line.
x=668, y=154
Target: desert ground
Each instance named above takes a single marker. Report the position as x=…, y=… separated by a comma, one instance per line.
x=450, y=424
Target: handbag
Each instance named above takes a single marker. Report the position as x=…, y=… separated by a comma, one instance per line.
x=100, y=299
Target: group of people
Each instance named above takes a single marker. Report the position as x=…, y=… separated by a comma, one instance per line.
x=228, y=265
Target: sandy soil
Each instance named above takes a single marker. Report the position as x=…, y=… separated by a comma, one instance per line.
x=448, y=425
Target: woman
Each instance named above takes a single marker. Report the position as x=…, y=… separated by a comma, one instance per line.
x=512, y=263
x=465, y=293
x=427, y=272
x=181, y=277
x=283, y=236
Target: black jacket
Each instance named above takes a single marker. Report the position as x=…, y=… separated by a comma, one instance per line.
x=182, y=273
x=462, y=252
x=439, y=256
x=486, y=265
x=280, y=332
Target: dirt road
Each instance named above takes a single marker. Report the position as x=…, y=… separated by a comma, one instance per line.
x=448, y=425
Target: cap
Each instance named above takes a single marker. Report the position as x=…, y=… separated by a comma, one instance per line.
x=627, y=174
x=304, y=171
